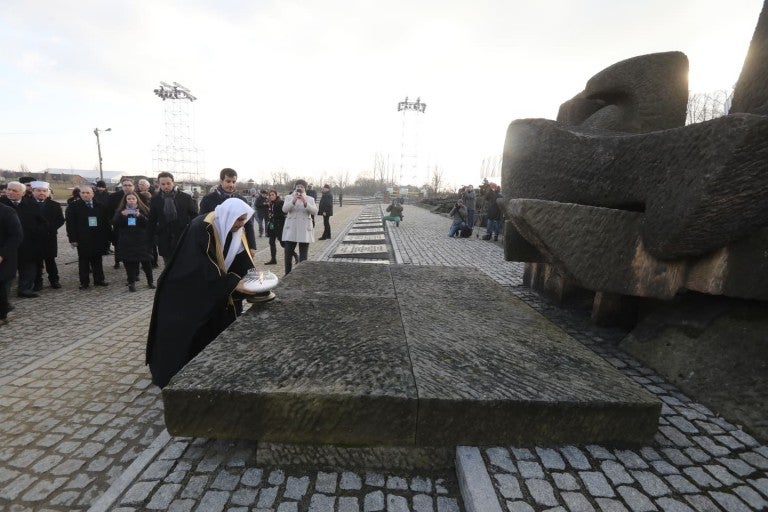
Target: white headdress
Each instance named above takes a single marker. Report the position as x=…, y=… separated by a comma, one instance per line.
x=224, y=218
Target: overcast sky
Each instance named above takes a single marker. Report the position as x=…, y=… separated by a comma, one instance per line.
x=311, y=87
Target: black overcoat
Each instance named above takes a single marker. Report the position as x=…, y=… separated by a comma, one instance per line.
x=54, y=217
x=166, y=233
x=325, y=208
x=92, y=240
x=11, y=236
x=34, y=226
x=193, y=302
x=132, y=238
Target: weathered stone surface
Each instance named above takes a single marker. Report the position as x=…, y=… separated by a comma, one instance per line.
x=371, y=457
x=713, y=348
x=637, y=95
x=701, y=187
x=602, y=249
x=751, y=92
x=410, y=370
x=505, y=386
x=379, y=251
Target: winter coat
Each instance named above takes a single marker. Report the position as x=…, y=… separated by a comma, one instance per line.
x=326, y=204
x=276, y=219
x=298, y=223
x=11, y=236
x=167, y=233
x=132, y=237
x=54, y=217
x=92, y=236
x=34, y=226
x=458, y=214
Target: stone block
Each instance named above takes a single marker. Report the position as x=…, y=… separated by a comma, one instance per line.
x=395, y=358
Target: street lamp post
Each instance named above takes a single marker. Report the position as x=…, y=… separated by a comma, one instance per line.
x=98, y=146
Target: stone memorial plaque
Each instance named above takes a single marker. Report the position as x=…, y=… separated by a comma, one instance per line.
x=365, y=239
x=378, y=251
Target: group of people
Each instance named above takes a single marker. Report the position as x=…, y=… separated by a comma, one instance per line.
x=206, y=251
x=463, y=213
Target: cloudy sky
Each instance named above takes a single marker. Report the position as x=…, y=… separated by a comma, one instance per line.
x=311, y=87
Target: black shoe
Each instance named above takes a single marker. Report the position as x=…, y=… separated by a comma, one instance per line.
x=28, y=295
x=271, y=262
x=55, y=285
x=37, y=287
x=101, y=283
x=85, y=286
x=151, y=285
x=131, y=287
x=397, y=224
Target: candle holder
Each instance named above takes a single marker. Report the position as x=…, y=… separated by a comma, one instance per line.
x=260, y=283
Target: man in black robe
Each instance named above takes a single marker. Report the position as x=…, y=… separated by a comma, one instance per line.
x=200, y=289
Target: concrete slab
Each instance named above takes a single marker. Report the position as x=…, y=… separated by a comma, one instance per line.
x=394, y=358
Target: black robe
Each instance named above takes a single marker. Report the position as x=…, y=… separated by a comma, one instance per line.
x=194, y=300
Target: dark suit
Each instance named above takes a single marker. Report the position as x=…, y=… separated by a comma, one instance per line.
x=90, y=229
x=31, y=249
x=11, y=235
x=54, y=217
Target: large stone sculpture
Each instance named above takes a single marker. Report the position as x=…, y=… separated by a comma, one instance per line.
x=618, y=197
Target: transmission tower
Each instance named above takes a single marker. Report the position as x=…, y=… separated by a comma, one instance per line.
x=177, y=152
x=413, y=111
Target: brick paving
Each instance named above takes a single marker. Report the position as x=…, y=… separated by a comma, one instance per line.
x=82, y=425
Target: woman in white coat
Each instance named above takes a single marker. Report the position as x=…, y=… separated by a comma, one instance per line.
x=298, y=229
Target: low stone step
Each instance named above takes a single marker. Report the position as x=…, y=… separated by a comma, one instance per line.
x=398, y=356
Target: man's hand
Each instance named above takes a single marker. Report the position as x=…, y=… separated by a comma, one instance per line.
x=242, y=289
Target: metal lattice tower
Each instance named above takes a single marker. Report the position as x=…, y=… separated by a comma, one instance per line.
x=413, y=111
x=177, y=152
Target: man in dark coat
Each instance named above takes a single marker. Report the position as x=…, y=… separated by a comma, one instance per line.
x=54, y=218
x=34, y=226
x=88, y=229
x=196, y=294
x=325, y=209
x=11, y=236
x=170, y=213
x=227, y=188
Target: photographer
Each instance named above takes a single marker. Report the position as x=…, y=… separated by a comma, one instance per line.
x=298, y=229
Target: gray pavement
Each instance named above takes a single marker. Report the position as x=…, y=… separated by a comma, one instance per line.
x=82, y=425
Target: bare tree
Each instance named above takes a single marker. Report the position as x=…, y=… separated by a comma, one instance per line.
x=342, y=179
x=703, y=106
x=436, y=179
x=23, y=169
x=281, y=178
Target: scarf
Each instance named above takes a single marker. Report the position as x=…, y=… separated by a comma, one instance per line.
x=169, y=206
x=224, y=217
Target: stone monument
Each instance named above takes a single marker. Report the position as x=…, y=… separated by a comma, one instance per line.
x=620, y=198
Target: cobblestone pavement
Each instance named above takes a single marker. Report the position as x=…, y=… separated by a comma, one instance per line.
x=82, y=425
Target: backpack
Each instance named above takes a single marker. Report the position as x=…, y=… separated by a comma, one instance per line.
x=465, y=231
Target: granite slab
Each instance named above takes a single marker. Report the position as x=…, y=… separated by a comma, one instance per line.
x=372, y=355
